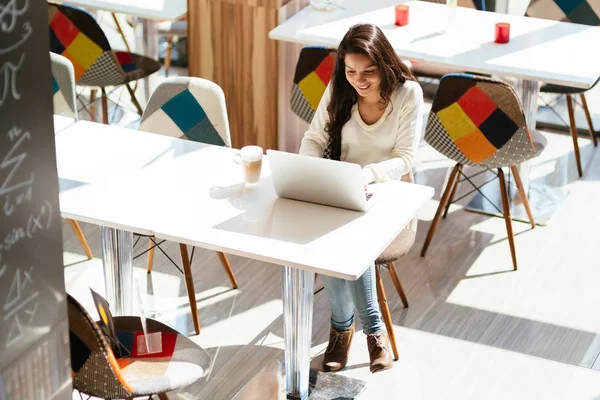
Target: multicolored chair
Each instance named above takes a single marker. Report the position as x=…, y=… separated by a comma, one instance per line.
x=479, y=122
x=192, y=109
x=63, y=100
x=99, y=370
x=75, y=34
x=586, y=12
x=313, y=73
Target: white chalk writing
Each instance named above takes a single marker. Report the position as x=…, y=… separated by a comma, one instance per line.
x=14, y=159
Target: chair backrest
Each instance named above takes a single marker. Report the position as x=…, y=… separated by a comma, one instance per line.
x=75, y=34
x=478, y=121
x=586, y=12
x=95, y=369
x=313, y=73
x=189, y=108
x=63, y=86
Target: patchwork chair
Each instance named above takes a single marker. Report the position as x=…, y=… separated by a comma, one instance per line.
x=98, y=370
x=192, y=109
x=479, y=122
x=75, y=34
x=63, y=100
x=586, y=12
x=313, y=73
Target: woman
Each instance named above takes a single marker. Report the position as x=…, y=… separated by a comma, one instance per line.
x=370, y=114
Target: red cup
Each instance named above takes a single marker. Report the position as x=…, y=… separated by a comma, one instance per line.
x=502, y=32
x=401, y=15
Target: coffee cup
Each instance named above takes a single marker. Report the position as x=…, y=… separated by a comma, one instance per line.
x=250, y=157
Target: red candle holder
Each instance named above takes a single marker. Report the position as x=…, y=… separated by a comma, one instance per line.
x=402, y=15
x=502, y=32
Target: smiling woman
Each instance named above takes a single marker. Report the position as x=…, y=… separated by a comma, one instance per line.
x=370, y=114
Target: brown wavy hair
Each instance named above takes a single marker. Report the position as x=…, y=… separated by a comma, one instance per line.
x=369, y=40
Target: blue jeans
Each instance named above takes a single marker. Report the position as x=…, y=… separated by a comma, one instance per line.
x=345, y=295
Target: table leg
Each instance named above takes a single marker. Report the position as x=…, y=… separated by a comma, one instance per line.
x=297, y=321
x=301, y=382
x=117, y=257
x=543, y=199
x=149, y=46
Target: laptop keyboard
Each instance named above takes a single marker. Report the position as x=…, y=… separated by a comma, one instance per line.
x=369, y=195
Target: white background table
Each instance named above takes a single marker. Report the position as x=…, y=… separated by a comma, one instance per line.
x=463, y=38
x=171, y=188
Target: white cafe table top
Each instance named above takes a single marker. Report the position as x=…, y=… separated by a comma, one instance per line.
x=151, y=9
x=61, y=122
x=548, y=51
x=193, y=193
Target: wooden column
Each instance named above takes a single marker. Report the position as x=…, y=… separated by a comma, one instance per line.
x=228, y=44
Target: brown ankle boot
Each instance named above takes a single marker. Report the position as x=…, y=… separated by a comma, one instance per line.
x=379, y=353
x=336, y=355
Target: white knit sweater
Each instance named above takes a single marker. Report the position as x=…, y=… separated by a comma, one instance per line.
x=385, y=149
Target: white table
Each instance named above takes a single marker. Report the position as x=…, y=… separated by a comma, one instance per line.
x=462, y=38
x=169, y=188
x=61, y=122
x=150, y=11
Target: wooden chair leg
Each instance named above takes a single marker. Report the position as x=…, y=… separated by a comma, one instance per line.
x=385, y=313
x=163, y=396
x=227, y=268
x=515, y=172
x=104, y=107
x=134, y=100
x=118, y=25
x=397, y=284
x=507, y=217
x=453, y=193
x=93, y=103
x=150, y=260
x=167, y=63
x=589, y=119
x=440, y=210
x=573, y=128
x=79, y=235
x=189, y=284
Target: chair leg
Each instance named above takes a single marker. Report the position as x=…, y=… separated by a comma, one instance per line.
x=589, y=119
x=79, y=235
x=118, y=25
x=167, y=63
x=453, y=193
x=163, y=396
x=189, y=284
x=134, y=100
x=507, y=217
x=573, y=128
x=227, y=268
x=438, y=213
x=385, y=312
x=515, y=172
x=104, y=107
x=150, y=260
x=396, y=281
x=93, y=103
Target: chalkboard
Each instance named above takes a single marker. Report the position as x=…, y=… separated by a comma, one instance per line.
x=34, y=352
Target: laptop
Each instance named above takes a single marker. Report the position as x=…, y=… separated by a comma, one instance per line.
x=318, y=180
